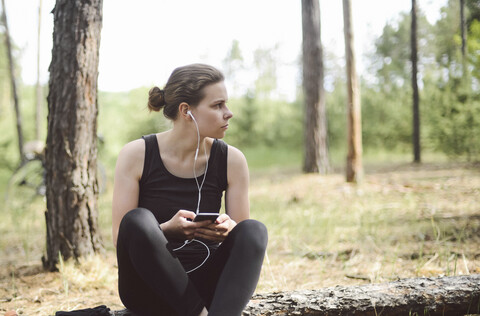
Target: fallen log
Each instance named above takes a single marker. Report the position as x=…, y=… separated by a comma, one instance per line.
x=458, y=295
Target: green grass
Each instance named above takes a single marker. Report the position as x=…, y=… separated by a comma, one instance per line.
x=267, y=158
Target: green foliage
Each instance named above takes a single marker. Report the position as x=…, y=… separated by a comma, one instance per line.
x=123, y=117
x=336, y=109
x=474, y=49
x=386, y=117
x=449, y=107
x=454, y=119
x=445, y=31
x=452, y=104
x=265, y=122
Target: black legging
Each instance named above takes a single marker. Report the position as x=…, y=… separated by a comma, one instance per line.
x=151, y=281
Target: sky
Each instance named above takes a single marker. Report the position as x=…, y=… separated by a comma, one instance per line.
x=143, y=41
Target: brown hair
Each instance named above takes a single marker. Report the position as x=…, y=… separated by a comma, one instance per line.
x=184, y=85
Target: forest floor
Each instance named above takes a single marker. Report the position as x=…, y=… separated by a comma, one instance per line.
x=403, y=220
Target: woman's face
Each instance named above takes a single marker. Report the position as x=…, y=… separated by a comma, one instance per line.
x=212, y=114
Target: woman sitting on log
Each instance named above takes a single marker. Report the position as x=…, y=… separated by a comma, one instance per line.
x=168, y=262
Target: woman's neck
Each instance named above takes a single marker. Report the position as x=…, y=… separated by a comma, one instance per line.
x=182, y=142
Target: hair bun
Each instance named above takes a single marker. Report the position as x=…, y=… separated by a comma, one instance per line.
x=156, y=99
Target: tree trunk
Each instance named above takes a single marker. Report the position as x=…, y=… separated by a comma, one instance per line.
x=71, y=151
x=416, y=111
x=354, y=118
x=316, y=147
x=457, y=295
x=13, y=82
x=38, y=92
x=463, y=31
x=463, y=28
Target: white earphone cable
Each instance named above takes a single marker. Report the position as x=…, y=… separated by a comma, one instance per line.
x=199, y=186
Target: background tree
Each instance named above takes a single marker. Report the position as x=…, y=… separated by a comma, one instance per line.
x=416, y=111
x=265, y=63
x=354, y=120
x=454, y=104
x=38, y=87
x=463, y=28
x=233, y=66
x=315, y=132
x=71, y=152
x=473, y=45
x=13, y=82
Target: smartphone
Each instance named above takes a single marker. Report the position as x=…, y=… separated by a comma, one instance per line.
x=206, y=216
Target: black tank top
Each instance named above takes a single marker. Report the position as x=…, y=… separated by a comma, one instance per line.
x=164, y=194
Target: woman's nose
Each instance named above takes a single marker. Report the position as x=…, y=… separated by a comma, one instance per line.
x=228, y=114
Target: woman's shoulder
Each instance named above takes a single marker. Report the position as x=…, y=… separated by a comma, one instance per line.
x=236, y=159
x=235, y=152
x=133, y=149
x=132, y=156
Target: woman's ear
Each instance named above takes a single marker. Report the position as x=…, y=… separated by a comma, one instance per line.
x=183, y=109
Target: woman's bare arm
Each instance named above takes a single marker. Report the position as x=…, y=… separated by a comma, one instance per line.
x=128, y=172
x=237, y=203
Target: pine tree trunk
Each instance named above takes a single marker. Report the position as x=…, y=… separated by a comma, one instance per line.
x=71, y=152
x=463, y=31
x=354, y=120
x=38, y=88
x=13, y=82
x=416, y=111
x=463, y=28
x=316, y=147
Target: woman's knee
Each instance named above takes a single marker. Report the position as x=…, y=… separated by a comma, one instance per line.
x=253, y=233
x=137, y=219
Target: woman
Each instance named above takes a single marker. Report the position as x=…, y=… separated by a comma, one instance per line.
x=169, y=264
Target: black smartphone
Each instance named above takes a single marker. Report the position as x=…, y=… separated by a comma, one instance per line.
x=206, y=216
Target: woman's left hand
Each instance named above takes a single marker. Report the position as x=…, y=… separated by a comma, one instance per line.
x=218, y=230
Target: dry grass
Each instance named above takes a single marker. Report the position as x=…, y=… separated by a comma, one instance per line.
x=402, y=221
x=409, y=221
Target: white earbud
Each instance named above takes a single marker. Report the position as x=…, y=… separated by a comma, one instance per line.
x=190, y=113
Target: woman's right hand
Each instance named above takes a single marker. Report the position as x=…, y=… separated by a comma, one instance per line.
x=181, y=226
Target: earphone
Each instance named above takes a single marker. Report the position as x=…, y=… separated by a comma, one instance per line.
x=199, y=186
x=198, y=133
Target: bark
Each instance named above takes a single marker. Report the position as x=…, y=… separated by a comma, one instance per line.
x=416, y=111
x=316, y=147
x=354, y=119
x=38, y=92
x=71, y=151
x=463, y=31
x=463, y=28
x=457, y=295
x=13, y=82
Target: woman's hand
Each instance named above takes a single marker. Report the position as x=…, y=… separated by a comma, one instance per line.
x=181, y=226
x=216, y=231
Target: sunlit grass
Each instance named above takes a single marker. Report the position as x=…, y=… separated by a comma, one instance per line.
x=408, y=223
